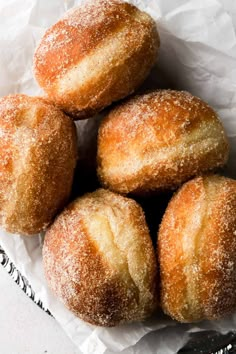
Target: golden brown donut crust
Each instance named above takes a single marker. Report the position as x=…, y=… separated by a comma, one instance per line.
x=99, y=259
x=37, y=159
x=157, y=141
x=97, y=53
x=197, y=250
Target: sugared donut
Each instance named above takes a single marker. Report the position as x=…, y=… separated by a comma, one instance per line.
x=99, y=259
x=157, y=141
x=197, y=250
x=97, y=53
x=37, y=159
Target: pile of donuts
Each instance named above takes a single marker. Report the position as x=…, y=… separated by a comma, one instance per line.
x=98, y=255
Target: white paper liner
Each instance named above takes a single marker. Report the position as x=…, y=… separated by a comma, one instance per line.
x=198, y=54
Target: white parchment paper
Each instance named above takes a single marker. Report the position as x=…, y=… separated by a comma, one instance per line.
x=198, y=53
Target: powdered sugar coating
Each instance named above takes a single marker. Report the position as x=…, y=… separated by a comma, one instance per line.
x=99, y=259
x=37, y=158
x=197, y=250
x=97, y=53
x=158, y=141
